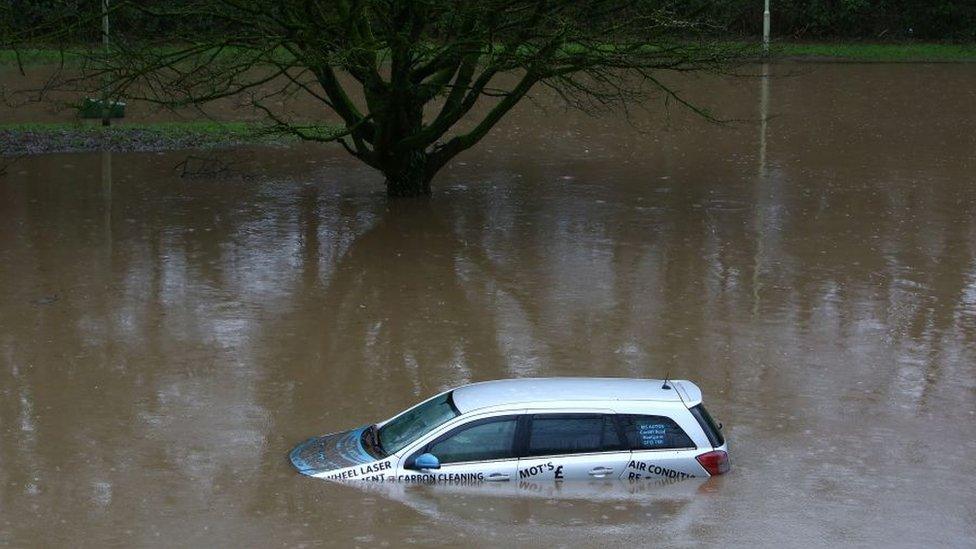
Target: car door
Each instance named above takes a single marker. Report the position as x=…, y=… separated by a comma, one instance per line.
x=660, y=448
x=483, y=449
x=571, y=446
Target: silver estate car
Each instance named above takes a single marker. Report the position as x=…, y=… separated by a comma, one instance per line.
x=538, y=429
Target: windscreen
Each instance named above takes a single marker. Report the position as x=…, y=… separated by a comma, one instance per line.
x=712, y=430
x=417, y=421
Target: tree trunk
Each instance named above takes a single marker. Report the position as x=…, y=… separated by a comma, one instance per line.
x=409, y=177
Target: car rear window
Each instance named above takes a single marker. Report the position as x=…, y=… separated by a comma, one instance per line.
x=572, y=434
x=712, y=430
x=654, y=433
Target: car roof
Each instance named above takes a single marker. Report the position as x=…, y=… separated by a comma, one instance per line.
x=571, y=389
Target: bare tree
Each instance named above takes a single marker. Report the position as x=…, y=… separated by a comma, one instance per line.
x=405, y=76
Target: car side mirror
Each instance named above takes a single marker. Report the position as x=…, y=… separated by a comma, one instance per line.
x=426, y=461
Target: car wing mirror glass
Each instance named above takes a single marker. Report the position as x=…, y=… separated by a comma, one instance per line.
x=426, y=461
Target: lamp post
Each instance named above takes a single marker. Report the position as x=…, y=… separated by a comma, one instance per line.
x=105, y=24
x=765, y=28
x=103, y=108
x=106, y=115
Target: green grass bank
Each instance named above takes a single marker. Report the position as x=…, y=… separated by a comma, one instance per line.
x=23, y=139
x=866, y=52
x=840, y=51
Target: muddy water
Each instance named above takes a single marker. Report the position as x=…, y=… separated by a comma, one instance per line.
x=166, y=338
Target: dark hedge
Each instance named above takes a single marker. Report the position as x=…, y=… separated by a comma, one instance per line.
x=793, y=19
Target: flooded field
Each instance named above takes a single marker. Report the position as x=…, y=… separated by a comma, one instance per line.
x=172, y=324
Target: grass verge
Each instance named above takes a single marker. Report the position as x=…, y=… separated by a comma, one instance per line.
x=21, y=139
x=907, y=52
x=844, y=51
x=36, y=56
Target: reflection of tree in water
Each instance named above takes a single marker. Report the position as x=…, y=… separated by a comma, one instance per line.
x=393, y=306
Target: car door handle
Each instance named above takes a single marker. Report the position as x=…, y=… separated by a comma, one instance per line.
x=601, y=471
x=498, y=476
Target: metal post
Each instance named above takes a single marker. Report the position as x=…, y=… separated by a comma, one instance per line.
x=106, y=114
x=765, y=28
x=105, y=24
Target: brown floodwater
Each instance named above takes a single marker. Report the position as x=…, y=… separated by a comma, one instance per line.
x=172, y=324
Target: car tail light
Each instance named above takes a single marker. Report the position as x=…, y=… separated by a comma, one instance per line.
x=715, y=462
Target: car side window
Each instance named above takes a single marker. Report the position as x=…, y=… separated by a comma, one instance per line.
x=552, y=434
x=482, y=440
x=654, y=433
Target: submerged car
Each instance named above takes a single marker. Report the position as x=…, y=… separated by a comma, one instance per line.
x=538, y=429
